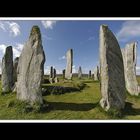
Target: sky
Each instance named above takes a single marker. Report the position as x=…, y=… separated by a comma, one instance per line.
x=60, y=36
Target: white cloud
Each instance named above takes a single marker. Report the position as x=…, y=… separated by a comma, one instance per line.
x=58, y=71
x=129, y=30
x=47, y=37
x=16, y=52
x=47, y=70
x=16, y=49
x=19, y=46
x=91, y=38
x=48, y=24
x=2, y=26
x=12, y=27
x=62, y=58
x=138, y=70
x=73, y=69
x=2, y=48
x=87, y=40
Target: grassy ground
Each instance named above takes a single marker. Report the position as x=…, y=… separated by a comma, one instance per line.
x=82, y=104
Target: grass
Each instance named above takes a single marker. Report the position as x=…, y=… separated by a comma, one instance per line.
x=80, y=104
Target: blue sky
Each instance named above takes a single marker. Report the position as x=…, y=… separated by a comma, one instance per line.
x=59, y=36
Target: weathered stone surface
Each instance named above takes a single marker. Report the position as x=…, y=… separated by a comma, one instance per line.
x=89, y=74
x=96, y=74
x=129, y=58
x=68, y=72
x=30, y=69
x=15, y=64
x=7, y=70
x=111, y=71
x=80, y=73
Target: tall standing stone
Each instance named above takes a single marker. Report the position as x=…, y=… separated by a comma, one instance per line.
x=15, y=65
x=69, y=56
x=51, y=72
x=80, y=73
x=96, y=74
x=31, y=68
x=63, y=73
x=129, y=58
x=54, y=73
x=55, y=78
x=89, y=74
x=111, y=71
x=7, y=70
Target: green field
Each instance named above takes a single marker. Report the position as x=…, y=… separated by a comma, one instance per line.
x=81, y=103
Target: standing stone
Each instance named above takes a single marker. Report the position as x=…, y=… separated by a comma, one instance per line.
x=63, y=73
x=89, y=74
x=80, y=73
x=112, y=71
x=96, y=74
x=54, y=73
x=51, y=75
x=7, y=70
x=129, y=59
x=51, y=72
x=92, y=76
x=31, y=68
x=56, y=80
x=69, y=56
x=15, y=65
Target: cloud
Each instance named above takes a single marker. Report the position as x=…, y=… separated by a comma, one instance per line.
x=19, y=46
x=48, y=24
x=2, y=48
x=129, y=30
x=87, y=40
x=62, y=58
x=47, y=70
x=12, y=27
x=16, y=49
x=73, y=69
x=2, y=26
x=138, y=70
x=91, y=38
x=47, y=37
x=58, y=71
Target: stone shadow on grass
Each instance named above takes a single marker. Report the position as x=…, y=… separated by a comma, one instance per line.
x=129, y=110
x=71, y=106
x=57, y=90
